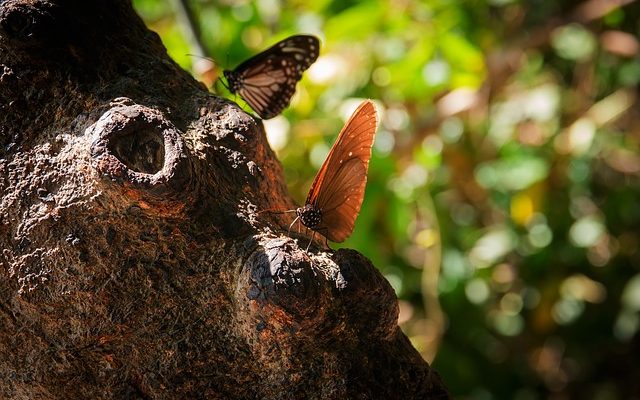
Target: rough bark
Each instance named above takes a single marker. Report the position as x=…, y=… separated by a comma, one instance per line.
x=133, y=264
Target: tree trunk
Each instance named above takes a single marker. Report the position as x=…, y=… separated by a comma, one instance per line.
x=133, y=263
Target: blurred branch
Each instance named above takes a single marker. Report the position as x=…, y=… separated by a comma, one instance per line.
x=203, y=65
x=430, y=275
x=190, y=27
x=502, y=64
x=594, y=9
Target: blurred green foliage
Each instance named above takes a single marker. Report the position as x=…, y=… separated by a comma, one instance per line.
x=502, y=202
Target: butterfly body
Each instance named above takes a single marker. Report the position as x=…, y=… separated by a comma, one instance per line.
x=268, y=80
x=234, y=82
x=309, y=215
x=337, y=191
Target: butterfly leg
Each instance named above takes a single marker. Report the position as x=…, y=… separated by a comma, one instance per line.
x=215, y=85
x=310, y=240
x=326, y=231
x=294, y=221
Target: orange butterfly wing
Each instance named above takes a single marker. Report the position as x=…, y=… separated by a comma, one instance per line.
x=338, y=189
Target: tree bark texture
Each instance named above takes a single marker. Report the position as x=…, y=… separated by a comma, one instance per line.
x=132, y=261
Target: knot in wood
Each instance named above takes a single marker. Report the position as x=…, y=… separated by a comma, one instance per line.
x=137, y=148
x=291, y=293
x=16, y=22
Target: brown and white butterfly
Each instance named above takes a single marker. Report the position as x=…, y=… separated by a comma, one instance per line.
x=267, y=81
x=335, y=197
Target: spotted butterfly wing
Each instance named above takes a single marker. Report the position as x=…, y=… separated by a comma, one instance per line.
x=267, y=81
x=336, y=194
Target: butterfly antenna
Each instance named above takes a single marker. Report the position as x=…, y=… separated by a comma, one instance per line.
x=203, y=57
x=273, y=211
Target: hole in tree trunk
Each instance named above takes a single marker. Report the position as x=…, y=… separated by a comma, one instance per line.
x=140, y=150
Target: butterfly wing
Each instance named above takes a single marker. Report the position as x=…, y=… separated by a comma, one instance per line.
x=338, y=189
x=267, y=81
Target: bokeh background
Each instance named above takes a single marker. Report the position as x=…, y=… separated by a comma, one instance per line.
x=503, y=201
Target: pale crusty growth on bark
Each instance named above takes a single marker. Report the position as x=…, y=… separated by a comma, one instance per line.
x=133, y=264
